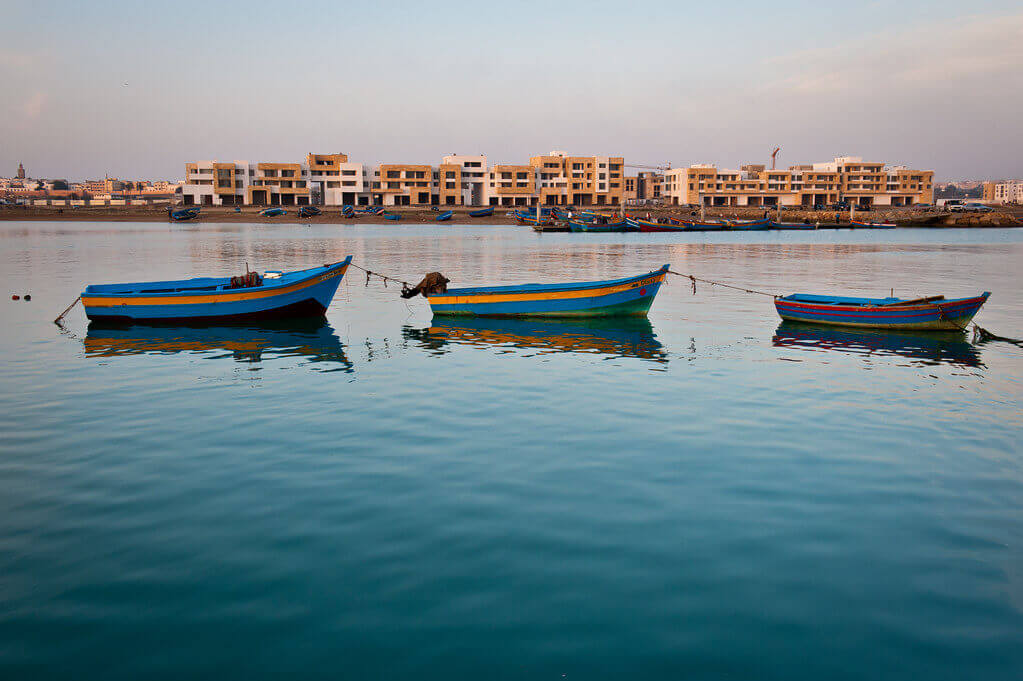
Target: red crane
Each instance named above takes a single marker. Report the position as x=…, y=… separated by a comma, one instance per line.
x=773, y=154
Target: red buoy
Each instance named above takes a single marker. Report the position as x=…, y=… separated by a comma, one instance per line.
x=15, y=297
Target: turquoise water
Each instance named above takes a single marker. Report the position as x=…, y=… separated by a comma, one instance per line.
x=708, y=494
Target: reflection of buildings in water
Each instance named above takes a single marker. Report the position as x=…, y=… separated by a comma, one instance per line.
x=623, y=337
x=313, y=340
x=933, y=347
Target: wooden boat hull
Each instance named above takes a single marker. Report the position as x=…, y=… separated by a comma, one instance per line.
x=750, y=226
x=647, y=226
x=306, y=293
x=944, y=315
x=631, y=296
x=579, y=226
x=272, y=212
x=444, y=217
x=482, y=213
x=856, y=224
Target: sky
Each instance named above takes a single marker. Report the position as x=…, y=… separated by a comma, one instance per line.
x=134, y=90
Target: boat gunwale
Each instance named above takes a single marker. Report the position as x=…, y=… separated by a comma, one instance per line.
x=539, y=288
x=876, y=304
x=284, y=281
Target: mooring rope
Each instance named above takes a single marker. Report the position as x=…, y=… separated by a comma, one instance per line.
x=61, y=315
x=695, y=279
x=370, y=273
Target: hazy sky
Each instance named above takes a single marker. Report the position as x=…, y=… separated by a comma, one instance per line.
x=134, y=89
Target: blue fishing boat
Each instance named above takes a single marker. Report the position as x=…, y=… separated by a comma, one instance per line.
x=482, y=212
x=273, y=295
x=272, y=212
x=792, y=225
x=933, y=313
x=650, y=226
x=392, y=216
x=308, y=211
x=583, y=226
x=749, y=225
x=184, y=214
x=444, y=217
x=348, y=212
x=609, y=298
x=863, y=224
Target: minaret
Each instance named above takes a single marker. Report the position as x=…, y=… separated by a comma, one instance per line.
x=21, y=172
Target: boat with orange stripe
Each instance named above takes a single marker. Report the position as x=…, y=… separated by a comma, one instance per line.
x=608, y=298
x=272, y=295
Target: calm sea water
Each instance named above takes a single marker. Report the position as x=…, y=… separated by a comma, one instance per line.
x=706, y=495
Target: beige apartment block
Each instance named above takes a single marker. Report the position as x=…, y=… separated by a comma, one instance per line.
x=847, y=178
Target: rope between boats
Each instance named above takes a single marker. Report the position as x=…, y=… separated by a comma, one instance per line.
x=61, y=315
x=385, y=278
x=695, y=279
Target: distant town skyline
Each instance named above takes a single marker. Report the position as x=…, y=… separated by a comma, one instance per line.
x=118, y=89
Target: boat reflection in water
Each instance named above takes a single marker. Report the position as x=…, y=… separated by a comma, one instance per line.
x=929, y=347
x=311, y=340
x=615, y=337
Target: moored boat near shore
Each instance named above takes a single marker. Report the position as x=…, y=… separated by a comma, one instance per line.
x=608, y=298
x=184, y=214
x=933, y=313
x=275, y=295
x=863, y=224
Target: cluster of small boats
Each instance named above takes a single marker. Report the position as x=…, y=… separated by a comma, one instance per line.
x=559, y=219
x=308, y=293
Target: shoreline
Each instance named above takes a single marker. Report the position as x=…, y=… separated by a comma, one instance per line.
x=1001, y=217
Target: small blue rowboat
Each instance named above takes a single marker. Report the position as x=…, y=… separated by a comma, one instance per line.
x=308, y=211
x=934, y=313
x=444, y=217
x=482, y=212
x=348, y=212
x=277, y=295
x=392, y=216
x=272, y=212
x=610, y=298
x=792, y=225
x=185, y=214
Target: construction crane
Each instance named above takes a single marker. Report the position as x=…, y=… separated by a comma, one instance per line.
x=773, y=154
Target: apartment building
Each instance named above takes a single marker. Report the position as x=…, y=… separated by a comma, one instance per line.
x=322, y=179
x=580, y=180
x=1008, y=191
x=846, y=178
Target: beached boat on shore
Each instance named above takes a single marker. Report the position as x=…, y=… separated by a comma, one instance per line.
x=444, y=217
x=274, y=295
x=308, y=211
x=185, y=214
x=609, y=298
x=272, y=212
x=482, y=212
x=392, y=216
x=933, y=313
